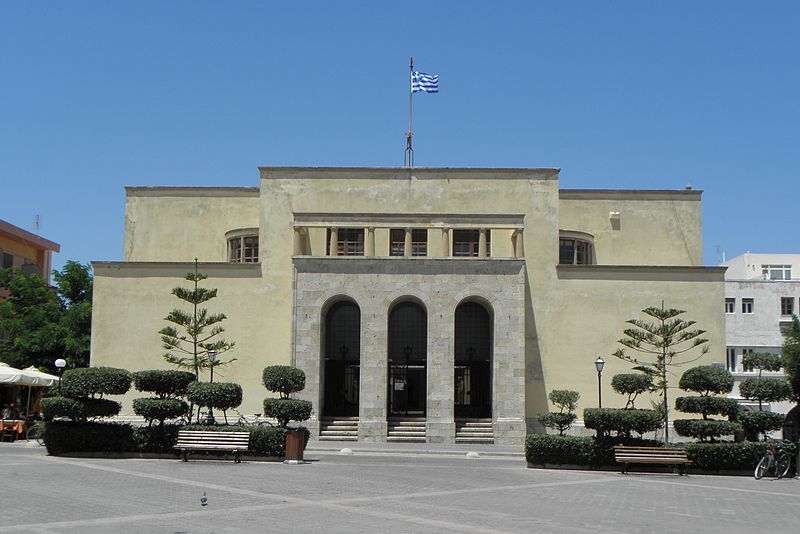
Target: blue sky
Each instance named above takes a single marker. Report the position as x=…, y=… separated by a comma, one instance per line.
x=99, y=95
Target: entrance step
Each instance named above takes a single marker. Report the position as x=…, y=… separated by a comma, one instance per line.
x=407, y=429
x=474, y=431
x=338, y=429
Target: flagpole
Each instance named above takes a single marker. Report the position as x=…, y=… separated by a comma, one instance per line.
x=409, y=155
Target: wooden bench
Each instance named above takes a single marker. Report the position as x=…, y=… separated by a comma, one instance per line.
x=651, y=455
x=193, y=440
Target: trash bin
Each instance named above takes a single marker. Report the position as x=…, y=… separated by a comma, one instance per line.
x=295, y=442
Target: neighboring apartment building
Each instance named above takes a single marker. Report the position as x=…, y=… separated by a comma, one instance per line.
x=25, y=250
x=762, y=292
x=430, y=304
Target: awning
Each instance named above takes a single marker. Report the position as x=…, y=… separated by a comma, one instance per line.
x=28, y=377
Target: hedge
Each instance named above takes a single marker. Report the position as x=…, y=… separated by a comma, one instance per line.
x=707, y=405
x=80, y=408
x=163, y=383
x=755, y=423
x=94, y=436
x=153, y=409
x=91, y=381
x=728, y=456
x=285, y=410
x=219, y=395
x=284, y=379
x=158, y=439
x=621, y=421
x=703, y=429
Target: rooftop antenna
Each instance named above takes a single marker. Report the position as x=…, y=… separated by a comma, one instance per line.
x=37, y=223
x=719, y=255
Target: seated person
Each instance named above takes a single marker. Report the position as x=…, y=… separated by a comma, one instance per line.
x=10, y=412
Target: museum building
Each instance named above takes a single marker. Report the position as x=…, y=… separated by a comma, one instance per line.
x=423, y=304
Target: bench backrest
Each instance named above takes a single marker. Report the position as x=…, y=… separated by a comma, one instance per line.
x=649, y=452
x=207, y=437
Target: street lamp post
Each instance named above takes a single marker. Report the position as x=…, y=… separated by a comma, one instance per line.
x=60, y=364
x=599, y=363
x=212, y=357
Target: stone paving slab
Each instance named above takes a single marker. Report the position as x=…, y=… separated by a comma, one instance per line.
x=393, y=492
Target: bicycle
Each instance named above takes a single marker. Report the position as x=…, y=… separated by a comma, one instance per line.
x=36, y=431
x=256, y=421
x=776, y=460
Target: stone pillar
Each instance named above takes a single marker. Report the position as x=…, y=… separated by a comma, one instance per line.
x=373, y=380
x=519, y=244
x=407, y=245
x=482, y=243
x=369, y=246
x=440, y=408
x=299, y=237
x=446, y=242
x=332, y=244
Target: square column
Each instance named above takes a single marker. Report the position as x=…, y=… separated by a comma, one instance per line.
x=372, y=402
x=440, y=407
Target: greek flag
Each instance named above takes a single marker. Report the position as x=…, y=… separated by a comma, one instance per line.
x=428, y=83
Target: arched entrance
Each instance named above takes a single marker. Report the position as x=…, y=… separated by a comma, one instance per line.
x=342, y=355
x=408, y=354
x=473, y=361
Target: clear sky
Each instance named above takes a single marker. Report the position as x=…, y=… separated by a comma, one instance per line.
x=98, y=95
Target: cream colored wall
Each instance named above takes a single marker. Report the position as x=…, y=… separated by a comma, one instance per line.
x=131, y=301
x=589, y=317
x=180, y=224
x=19, y=250
x=655, y=228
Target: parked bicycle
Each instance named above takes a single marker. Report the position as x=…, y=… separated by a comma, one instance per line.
x=254, y=421
x=36, y=431
x=776, y=460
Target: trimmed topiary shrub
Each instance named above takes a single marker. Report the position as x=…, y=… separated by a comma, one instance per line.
x=704, y=429
x=95, y=436
x=707, y=380
x=95, y=382
x=78, y=409
x=542, y=449
x=765, y=389
x=220, y=395
x=708, y=406
x=728, y=456
x=285, y=380
x=267, y=441
x=159, y=439
x=561, y=420
x=755, y=423
x=621, y=421
x=632, y=385
x=153, y=409
x=164, y=383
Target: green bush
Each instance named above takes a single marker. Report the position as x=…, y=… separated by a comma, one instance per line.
x=267, y=441
x=755, y=423
x=621, y=421
x=557, y=421
x=706, y=379
x=159, y=439
x=566, y=401
x=220, y=395
x=763, y=389
x=707, y=405
x=153, y=409
x=632, y=385
x=164, y=383
x=576, y=450
x=94, y=436
x=285, y=410
x=733, y=456
x=95, y=381
x=763, y=361
x=703, y=429
x=78, y=409
x=284, y=379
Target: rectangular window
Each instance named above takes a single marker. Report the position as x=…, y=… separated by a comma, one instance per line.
x=243, y=249
x=730, y=305
x=250, y=249
x=466, y=242
x=235, y=250
x=419, y=242
x=745, y=352
x=731, y=353
x=397, y=242
x=776, y=272
x=8, y=260
x=350, y=242
x=787, y=305
x=747, y=305
x=574, y=252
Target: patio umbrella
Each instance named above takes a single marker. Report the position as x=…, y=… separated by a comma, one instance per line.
x=15, y=377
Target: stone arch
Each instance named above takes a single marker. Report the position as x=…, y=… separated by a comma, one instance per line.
x=340, y=356
x=473, y=351
x=407, y=356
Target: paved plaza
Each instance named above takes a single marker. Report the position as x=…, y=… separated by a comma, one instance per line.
x=403, y=489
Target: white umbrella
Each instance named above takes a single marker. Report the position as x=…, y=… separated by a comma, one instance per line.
x=43, y=379
x=15, y=377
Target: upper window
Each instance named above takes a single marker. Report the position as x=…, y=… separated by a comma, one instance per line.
x=730, y=305
x=787, y=305
x=574, y=251
x=467, y=242
x=776, y=272
x=8, y=260
x=747, y=305
x=349, y=242
x=419, y=242
x=243, y=249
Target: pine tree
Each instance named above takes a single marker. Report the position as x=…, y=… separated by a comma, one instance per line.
x=663, y=342
x=190, y=349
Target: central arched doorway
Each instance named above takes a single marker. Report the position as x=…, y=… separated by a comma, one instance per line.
x=342, y=358
x=473, y=361
x=408, y=355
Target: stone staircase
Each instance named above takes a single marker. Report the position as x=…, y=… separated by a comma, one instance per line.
x=474, y=431
x=338, y=429
x=407, y=429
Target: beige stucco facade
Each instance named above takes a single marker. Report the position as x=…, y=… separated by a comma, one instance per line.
x=549, y=322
